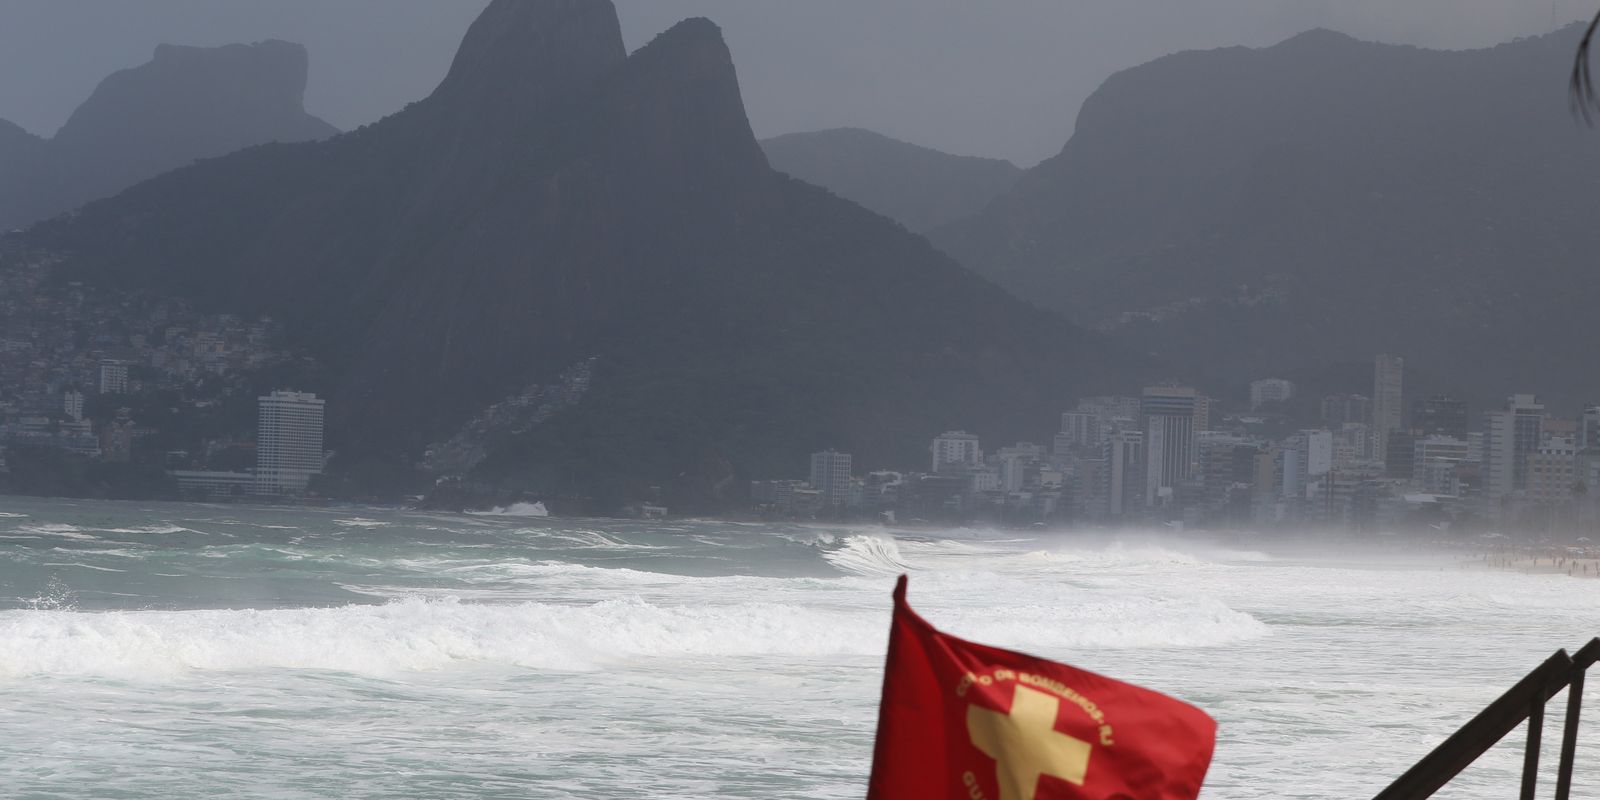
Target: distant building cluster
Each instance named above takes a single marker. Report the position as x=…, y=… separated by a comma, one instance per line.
x=1372, y=464
x=75, y=364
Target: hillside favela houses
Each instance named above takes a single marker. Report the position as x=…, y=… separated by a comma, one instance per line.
x=1375, y=465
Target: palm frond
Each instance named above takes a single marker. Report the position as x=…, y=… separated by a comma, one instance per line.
x=1581, y=92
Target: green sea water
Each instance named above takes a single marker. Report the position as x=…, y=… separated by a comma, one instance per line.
x=197, y=651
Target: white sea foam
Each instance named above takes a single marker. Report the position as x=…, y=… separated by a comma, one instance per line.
x=362, y=522
x=58, y=530
x=12, y=515
x=515, y=510
x=148, y=529
x=82, y=565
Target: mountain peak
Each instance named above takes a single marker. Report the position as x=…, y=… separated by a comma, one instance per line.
x=1319, y=37
x=678, y=97
x=185, y=103
x=231, y=84
x=695, y=44
x=539, y=49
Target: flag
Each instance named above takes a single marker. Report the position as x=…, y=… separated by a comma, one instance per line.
x=968, y=721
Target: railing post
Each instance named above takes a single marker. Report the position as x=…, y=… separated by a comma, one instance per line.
x=1530, y=756
x=1569, y=736
x=1586, y=657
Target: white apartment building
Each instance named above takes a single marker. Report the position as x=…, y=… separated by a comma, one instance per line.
x=954, y=451
x=1270, y=390
x=1511, y=436
x=830, y=475
x=1553, y=471
x=1436, y=461
x=113, y=378
x=72, y=405
x=288, y=442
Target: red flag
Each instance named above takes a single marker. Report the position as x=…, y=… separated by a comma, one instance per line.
x=963, y=720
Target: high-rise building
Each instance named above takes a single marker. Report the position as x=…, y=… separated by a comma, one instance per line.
x=1014, y=464
x=1110, y=407
x=1553, y=471
x=955, y=451
x=1307, y=457
x=1589, y=429
x=1436, y=462
x=1269, y=390
x=830, y=475
x=1168, y=414
x=1386, y=402
x=1226, y=463
x=113, y=378
x=1338, y=409
x=1352, y=444
x=1439, y=415
x=288, y=442
x=1399, y=455
x=1124, y=473
x=1202, y=413
x=72, y=405
x=1080, y=429
x=1511, y=436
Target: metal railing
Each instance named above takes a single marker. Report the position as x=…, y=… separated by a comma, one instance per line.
x=1524, y=701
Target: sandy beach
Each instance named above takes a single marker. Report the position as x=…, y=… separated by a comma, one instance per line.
x=1576, y=562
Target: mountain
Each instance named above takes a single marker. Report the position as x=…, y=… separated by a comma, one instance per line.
x=1250, y=210
x=18, y=148
x=558, y=202
x=187, y=103
x=16, y=144
x=919, y=187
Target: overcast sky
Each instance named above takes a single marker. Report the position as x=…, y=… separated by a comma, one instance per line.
x=982, y=77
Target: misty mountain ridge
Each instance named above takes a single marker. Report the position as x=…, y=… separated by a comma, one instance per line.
x=559, y=202
x=919, y=187
x=187, y=103
x=1323, y=199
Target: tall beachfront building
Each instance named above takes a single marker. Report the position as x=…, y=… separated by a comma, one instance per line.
x=830, y=475
x=1124, y=472
x=1589, y=430
x=1168, y=414
x=1386, y=402
x=955, y=451
x=1511, y=436
x=288, y=442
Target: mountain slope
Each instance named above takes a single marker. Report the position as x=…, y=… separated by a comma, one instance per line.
x=919, y=187
x=187, y=103
x=16, y=144
x=1320, y=200
x=558, y=200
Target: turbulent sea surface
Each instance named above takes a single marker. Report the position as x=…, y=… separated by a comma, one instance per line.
x=194, y=651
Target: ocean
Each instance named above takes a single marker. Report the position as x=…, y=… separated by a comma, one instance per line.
x=197, y=651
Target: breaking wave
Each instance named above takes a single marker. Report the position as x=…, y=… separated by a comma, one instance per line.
x=414, y=634
x=867, y=555
x=514, y=510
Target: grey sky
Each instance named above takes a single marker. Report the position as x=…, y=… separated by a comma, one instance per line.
x=983, y=77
